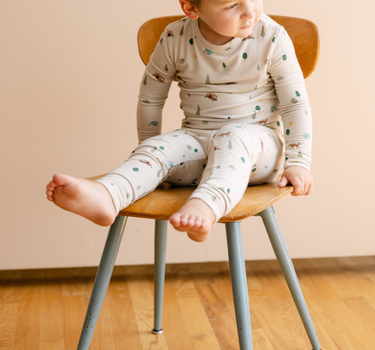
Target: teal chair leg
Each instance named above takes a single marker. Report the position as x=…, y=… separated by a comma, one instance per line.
x=159, y=268
x=281, y=252
x=102, y=279
x=239, y=284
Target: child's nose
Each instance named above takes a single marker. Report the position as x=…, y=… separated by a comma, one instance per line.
x=248, y=11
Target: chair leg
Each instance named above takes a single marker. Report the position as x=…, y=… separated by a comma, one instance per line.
x=159, y=268
x=102, y=279
x=281, y=252
x=239, y=284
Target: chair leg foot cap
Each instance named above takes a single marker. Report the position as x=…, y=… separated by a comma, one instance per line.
x=157, y=332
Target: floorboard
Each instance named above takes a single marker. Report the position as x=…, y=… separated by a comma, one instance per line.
x=45, y=309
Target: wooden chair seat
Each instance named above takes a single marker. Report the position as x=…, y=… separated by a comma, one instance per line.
x=166, y=200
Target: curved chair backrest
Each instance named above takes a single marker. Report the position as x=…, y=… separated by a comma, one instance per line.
x=304, y=34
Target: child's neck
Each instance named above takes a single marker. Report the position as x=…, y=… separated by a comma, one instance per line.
x=211, y=36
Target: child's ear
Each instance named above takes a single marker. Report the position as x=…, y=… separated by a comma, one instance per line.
x=188, y=9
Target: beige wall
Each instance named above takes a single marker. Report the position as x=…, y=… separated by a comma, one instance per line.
x=69, y=76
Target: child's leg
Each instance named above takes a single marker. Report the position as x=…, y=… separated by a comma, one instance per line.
x=180, y=155
x=236, y=154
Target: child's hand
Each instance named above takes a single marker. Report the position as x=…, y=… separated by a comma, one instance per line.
x=300, y=178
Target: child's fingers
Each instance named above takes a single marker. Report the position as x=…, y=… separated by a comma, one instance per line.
x=309, y=189
x=283, y=181
x=298, y=186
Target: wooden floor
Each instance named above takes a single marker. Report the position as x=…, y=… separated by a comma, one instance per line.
x=44, y=309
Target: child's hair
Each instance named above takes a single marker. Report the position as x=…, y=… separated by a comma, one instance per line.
x=196, y=3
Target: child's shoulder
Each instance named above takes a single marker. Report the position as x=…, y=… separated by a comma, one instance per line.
x=268, y=23
x=267, y=29
x=178, y=26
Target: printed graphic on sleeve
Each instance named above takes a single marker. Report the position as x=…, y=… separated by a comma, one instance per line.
x=262, y=34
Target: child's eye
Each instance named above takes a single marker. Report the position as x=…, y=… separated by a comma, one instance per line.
x=232, y=6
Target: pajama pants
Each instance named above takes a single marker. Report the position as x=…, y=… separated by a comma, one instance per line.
x=221, y=163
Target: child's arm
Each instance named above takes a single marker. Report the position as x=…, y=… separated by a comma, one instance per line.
x=155, y=85
x=294, y=108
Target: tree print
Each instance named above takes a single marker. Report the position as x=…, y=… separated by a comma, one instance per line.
x=257, y=109
x=198, y=112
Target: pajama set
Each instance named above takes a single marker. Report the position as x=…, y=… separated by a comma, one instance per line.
x=246, y=116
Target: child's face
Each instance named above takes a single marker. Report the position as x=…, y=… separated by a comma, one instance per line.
x=221, y=20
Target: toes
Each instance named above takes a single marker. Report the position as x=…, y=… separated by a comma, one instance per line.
x=198, y=222
x=175, y=220
x=189, y=221
x=51, y=186
x=185, y=220
x=50, y=190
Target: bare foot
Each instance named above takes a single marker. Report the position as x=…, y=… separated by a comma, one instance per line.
x=83, y=197
x=196, y=218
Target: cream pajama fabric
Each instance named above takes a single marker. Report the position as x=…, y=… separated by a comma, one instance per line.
x=221, y=162
x=246, y=116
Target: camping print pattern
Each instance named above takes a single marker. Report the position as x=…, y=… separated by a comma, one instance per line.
x=268, y=46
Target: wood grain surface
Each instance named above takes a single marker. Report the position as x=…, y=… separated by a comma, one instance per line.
x=45, y=309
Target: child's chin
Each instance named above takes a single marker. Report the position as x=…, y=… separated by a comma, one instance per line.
x=245, y=36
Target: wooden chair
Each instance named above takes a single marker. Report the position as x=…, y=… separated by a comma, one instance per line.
x=166, y=200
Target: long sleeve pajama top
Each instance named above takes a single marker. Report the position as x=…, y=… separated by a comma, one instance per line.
x=256, y=80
